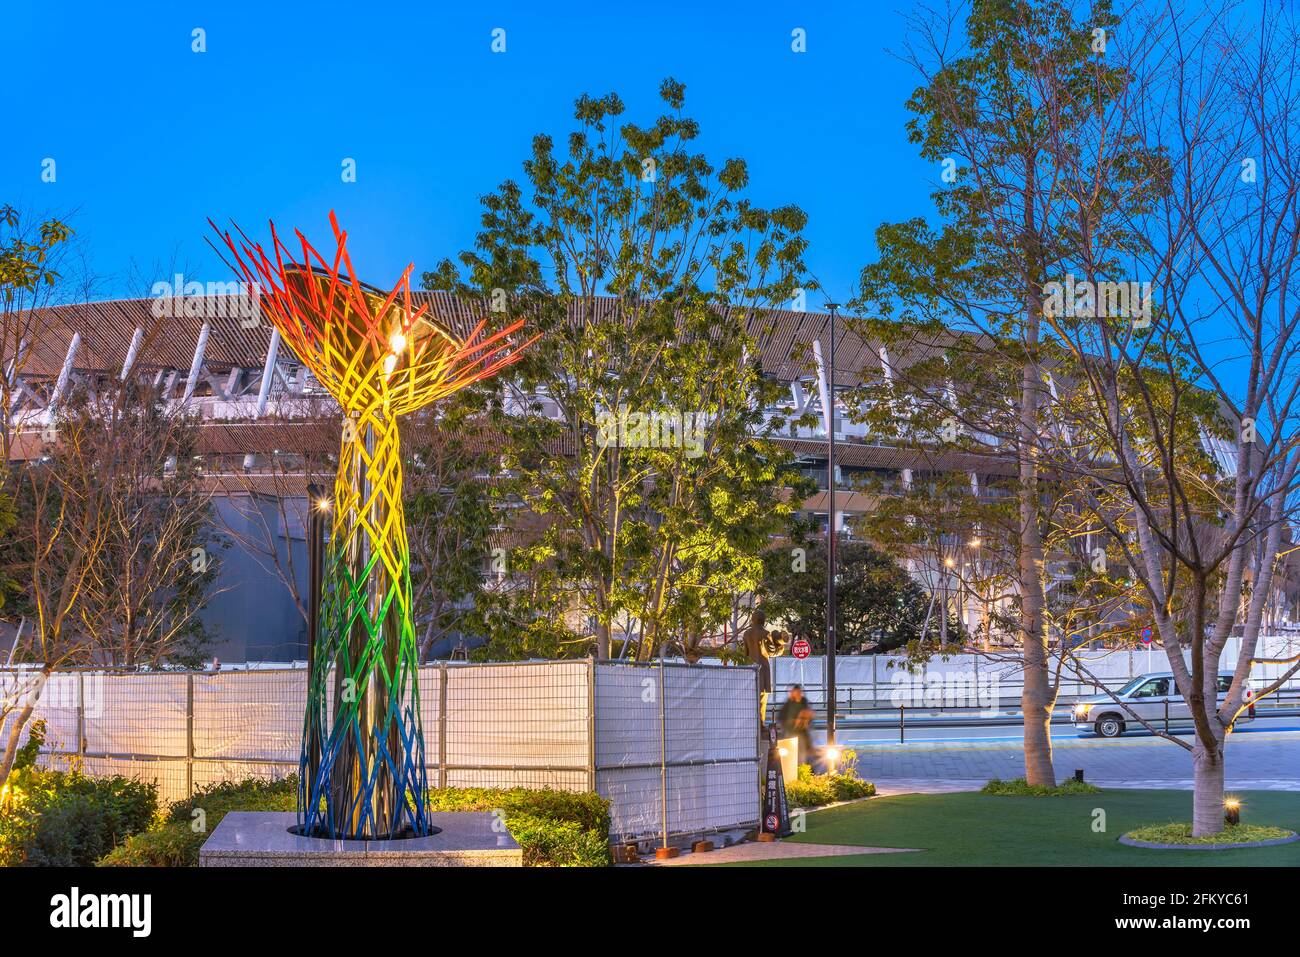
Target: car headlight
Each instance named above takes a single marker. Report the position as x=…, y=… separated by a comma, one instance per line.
x=1081, y=711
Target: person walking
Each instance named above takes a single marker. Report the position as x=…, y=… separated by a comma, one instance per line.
x=796, y=718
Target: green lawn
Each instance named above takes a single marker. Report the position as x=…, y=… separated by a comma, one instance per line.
x=978, y=829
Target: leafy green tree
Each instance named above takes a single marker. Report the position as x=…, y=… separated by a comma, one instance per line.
x=635, y=427
x=28, y=275
x=1005, y=97
x=955, y=541
x=519, y=631
x=451, y=513
x=1209, y=123
x=879, y=605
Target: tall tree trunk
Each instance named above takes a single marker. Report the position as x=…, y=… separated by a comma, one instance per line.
x=1207, y=796
x=1037, y=696
x=1036, y=701
x=651, y=640
x=30, y=694
x=12, y=739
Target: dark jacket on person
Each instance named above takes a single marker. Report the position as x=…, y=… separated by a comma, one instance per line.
x=788, y=716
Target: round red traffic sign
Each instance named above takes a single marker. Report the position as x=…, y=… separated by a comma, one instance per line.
x=801, y=648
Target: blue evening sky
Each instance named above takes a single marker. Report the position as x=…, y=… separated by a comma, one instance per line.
x=150, y=138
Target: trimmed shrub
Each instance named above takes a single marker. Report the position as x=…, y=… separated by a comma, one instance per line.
x=814, y=790
x=1017, y=787
x=250, y=794
x=172, y=845
x=64, y=819
x=587, y=809
x=554, y=828
x=552, y=843
x=131, y=804
x=74, y=831
x=176, y=841
x=1181, y=833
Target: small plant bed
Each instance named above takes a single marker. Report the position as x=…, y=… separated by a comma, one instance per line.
x=815, y=790
x=52, y=818
x=63, y=819
x=175, y=839
x=1018, y=787
x=554, y=828
x=1179, y=836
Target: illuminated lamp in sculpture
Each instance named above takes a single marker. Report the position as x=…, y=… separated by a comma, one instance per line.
x=362, y=769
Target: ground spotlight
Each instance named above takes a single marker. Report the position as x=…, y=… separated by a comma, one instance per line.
x=1232, y=811
x=832, y=757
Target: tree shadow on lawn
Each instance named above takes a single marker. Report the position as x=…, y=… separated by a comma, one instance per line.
x=972, y=829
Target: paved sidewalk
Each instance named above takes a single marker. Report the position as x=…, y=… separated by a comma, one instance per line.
x=774, y=851
x=888, y=787
x=1264, y=761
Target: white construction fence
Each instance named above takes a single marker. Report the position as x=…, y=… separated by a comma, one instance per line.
x=673, y=746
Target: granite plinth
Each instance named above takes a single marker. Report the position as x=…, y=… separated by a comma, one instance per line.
x=264, y=839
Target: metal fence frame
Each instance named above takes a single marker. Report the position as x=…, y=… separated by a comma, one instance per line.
x=745, y=758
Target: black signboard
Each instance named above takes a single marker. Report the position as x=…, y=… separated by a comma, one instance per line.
x=776, y=812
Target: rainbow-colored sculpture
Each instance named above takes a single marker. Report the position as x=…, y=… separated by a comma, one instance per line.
x=362, y=770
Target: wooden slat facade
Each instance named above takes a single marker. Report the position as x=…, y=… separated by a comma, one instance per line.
x=241, y=342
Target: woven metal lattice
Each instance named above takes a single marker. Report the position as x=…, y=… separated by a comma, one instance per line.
x=362, y=770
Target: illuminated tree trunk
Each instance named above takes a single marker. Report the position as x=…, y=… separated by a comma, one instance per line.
x=12, y=739
x=29, y=694
x=1207, y=790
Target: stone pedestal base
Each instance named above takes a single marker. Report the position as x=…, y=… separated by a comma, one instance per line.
x=264, y=839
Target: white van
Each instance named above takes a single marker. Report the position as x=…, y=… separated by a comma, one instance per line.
x=1152, y=697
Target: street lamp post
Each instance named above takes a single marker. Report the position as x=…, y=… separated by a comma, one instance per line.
x=948, y=565
x=317, y=508
x=830, y=534
x=978, y=590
